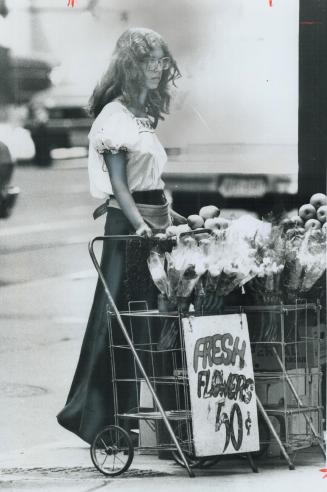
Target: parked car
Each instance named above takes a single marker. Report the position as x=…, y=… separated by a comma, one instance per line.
x=8, y=192
x=58, y=118
x=255, y=178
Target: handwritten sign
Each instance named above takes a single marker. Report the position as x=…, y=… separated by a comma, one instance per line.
x=223, y=400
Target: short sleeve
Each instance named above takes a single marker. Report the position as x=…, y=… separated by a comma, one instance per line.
x=114, y=131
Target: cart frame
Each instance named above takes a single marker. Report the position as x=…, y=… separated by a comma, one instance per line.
x=131, y=345
x=162, y=415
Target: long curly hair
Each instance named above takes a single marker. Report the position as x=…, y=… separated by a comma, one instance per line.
x=124, y=77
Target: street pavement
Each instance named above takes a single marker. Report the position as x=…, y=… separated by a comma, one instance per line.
x=46, y=288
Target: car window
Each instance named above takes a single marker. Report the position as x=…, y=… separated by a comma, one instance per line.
x=74, y=112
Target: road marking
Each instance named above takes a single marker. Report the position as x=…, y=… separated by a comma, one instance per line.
x=82, y=210
x=82, y=275
x=69, y=165
x=44, y=226
x=68, y=320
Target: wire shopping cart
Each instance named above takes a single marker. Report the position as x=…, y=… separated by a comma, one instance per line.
x=162, y=369
x=157, y=361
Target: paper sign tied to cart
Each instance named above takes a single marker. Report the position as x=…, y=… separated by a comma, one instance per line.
x=221, y=379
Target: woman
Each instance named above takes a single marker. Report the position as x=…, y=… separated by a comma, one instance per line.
x=126, y=161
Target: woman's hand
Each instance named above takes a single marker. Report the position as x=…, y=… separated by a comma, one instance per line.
x=144, y=230
x=176, y=218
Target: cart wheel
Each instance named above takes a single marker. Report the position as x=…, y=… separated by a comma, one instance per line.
x=112, y=451
x=195, y=462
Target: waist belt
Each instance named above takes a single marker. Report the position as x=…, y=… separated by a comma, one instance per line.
x=149, y=197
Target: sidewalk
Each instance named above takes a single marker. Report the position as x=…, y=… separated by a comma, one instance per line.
x=67, y=466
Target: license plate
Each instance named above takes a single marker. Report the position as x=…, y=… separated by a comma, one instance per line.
x=78, y=138
x=234, y=186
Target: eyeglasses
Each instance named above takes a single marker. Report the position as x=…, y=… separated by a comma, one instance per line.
x=153, y=64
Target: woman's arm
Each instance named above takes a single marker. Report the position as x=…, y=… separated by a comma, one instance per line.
x=177, y=218
x=116, y=164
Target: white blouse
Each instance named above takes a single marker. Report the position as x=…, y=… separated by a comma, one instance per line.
x=115, y=129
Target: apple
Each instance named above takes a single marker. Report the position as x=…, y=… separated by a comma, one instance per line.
x=209, y=212
x=297, y=221
x=195, y=221
x=307, y=212
x=322, y=213
x=318, y=199
x=312, y=224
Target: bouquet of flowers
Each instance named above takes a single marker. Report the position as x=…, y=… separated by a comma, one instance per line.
x=176, y=273
x=156, y=262
x=210, y=264
x=274, y=262
x=230, y=257
x=312, y=257
x=293, y=269
x=305, y=261
x=269, y=259
x=265, y=286
x=185, y=265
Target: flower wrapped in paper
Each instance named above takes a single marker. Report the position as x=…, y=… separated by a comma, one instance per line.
x=158, y=273
x=215, y=261
x=274, y=263
x=293, y=269
x=185, y=265
x=305, y=261
x=265, y=286
x=232, y=259
x=312, y=257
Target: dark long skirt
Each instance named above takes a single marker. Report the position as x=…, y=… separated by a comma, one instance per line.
x=90, y=405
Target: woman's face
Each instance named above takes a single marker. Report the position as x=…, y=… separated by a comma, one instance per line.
x=153, y=67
